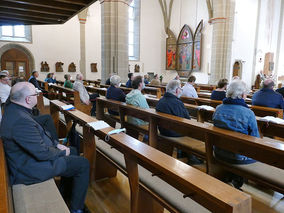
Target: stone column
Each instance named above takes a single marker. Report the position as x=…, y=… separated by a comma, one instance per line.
x=114, y=18
x=223, y=26
x=82, y=16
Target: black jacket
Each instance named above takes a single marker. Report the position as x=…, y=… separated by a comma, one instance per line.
x=31, y=154
x=35, y=83
x=171, y=104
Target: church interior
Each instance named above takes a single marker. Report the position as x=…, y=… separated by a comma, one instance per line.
x=140, y=169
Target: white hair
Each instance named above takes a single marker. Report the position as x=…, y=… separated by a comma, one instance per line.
x=236, y=89
x=78, y=76
x=172, y=86
x=115, y=80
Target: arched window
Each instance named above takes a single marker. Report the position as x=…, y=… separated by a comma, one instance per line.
x=134, y=30
x=17, y=33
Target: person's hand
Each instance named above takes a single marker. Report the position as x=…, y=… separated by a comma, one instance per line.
x=62, y=147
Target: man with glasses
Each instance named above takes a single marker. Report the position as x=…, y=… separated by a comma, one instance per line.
x=33, y=155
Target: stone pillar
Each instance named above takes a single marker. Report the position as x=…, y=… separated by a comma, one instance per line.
x=82, y=16
x=114, y=38
x=223, y=26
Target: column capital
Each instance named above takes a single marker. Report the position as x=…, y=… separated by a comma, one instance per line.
x=82, y=16
x=128, y=2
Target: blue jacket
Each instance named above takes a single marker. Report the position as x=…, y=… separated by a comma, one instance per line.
x=116, y=94
x=218, y=95
x=136, y=98
x=172, y=105
x=129, y=84
x=238, y=118
x=31, y=154
x=268, y=98
x=50, y=80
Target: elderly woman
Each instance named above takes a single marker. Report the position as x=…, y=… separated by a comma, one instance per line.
x=114, y=92
x=234, y=114
x=67, y=82
x=220, y=93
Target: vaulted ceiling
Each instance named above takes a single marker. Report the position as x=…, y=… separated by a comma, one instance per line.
x=37, y=12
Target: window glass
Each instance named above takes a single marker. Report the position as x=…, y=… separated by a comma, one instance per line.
x=7, y=30
x=134, y=30
x=19, y=31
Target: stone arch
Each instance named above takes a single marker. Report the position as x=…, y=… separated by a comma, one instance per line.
x=22, y=48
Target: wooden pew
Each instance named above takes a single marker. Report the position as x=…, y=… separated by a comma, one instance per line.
x=19, y=198
x=43, y=84
x=42, y=104
x=96, y=83
x=6, y=199
x=149, y=185
x=258, y=110
x=70, y=96
x=198, y=133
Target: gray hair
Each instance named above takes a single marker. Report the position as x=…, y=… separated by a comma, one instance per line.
x=236, y=89
x=172, y=86
x=115, y=80
x=19, y=92
x=78, y=76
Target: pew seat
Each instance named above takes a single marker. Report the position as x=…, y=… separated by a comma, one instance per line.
x=187, y=144
x=259, y=172
x=155, y=184
x=40, y=197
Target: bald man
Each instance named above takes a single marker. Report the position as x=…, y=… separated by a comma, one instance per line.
x=267, y=97
x=33, y=156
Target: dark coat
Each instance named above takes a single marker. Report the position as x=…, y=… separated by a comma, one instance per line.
x=171, y=104
x=31, y=154
x=116, y=94
x=34, y=82
x=268, y=98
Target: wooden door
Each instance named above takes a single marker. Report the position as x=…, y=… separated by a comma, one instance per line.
x=16, y=62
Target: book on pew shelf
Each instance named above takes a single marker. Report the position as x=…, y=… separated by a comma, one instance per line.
x=205, y=107
x=68, y=107
x=97, y=125
x=272, y=120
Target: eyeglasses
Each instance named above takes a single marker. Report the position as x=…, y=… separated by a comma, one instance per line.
x=36, y=94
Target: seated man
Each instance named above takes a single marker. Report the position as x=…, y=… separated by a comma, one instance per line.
x=130, y=79
x=171, y=104
x=234, y=114
x=84, y=95
x=32, y=154
x=33, y=80
x=188, y=90
x=267, y=97
x=114, y=92
x=136, y=98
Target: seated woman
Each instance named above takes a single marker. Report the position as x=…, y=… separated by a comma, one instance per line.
x=50, y=79
x=67, y=82
x=155, y=81
x=114, y=92
x=234, y=114
x=136, y=98
x=220, y=93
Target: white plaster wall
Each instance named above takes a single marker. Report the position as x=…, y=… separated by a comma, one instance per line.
x=53, y=43
x=93, y=40
x=244, y=37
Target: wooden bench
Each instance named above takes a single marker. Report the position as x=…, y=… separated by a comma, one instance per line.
x=197, y=133
x=40, y=197
x=43, y=84
x=70, y=96
x=156, y=180
x=258, y=110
